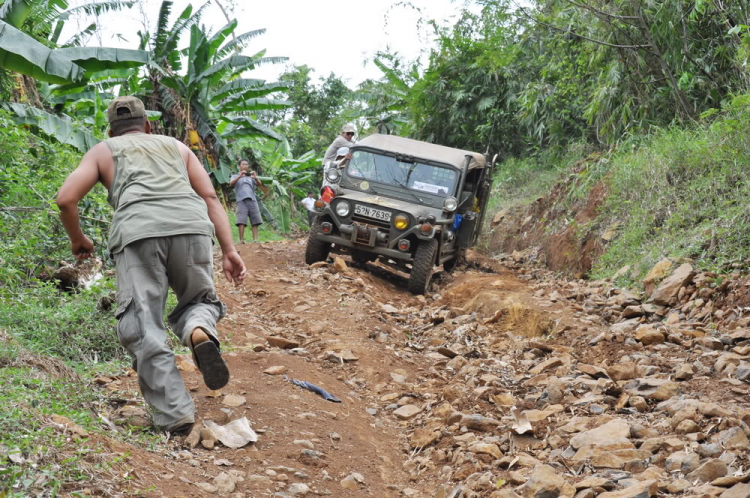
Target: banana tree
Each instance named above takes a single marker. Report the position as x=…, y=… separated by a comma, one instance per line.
x=387, y=100
x=217, y=103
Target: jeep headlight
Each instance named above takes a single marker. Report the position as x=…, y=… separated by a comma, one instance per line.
x=333, y=175
x=401, y=221
x=450, y=204
x=343, y=209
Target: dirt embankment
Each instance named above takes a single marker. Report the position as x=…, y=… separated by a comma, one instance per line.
x=561, y=233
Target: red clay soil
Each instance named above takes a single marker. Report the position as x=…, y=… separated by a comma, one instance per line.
x=567, y=245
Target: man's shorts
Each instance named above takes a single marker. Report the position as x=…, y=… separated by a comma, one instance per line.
x=248, y=208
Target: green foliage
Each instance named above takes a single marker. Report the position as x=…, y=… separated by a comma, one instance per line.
x=682, y=194
x=32, y=239
x=317, y=112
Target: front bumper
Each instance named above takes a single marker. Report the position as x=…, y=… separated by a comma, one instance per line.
x=368, y=237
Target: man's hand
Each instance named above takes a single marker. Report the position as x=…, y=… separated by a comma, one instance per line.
x=234, y=267
x=252, y=173
x=243, y=173
x=82, y=248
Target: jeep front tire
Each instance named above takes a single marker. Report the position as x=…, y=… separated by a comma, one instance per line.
x=316, y=250
x=422, y=266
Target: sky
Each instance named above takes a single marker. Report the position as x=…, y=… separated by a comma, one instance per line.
x=327, y=35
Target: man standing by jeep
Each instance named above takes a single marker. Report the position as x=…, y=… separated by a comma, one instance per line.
x=346, y=139
x=165, y=215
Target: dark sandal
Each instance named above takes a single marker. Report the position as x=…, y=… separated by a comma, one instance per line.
x=212, y=366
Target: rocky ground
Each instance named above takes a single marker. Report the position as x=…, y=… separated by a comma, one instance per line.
x=504, y=381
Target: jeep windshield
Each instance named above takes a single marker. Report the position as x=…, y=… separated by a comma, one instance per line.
x=401, y=172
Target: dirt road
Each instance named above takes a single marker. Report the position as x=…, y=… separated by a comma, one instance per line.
x=436, y=390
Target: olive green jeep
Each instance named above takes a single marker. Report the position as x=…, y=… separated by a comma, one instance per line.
x=411, y=205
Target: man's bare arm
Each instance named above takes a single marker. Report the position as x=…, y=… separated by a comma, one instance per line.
x=201, y=183
x=234, y=268
x=75, y=187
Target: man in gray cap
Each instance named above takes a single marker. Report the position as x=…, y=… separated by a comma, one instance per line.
x=346, y=139
x=165, y=215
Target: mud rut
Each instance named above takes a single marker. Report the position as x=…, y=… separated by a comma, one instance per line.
x=359, y=448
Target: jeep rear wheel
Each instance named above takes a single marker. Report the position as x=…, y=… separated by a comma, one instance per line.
x=316, y=250
x=422, y=266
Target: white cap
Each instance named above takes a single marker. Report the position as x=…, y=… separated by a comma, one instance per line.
x=349, y=127
x=342, y=151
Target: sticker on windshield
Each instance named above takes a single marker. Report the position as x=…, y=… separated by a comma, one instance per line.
x=364, y=185
x=429, y=187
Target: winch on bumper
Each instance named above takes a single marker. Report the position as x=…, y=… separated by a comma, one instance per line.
x=371, y=234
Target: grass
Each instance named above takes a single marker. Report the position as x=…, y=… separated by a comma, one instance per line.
x=36, y=457
x=69, y=326
x=266, y=233
x=683, y=194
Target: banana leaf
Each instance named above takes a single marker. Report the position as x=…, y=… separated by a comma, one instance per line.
x=56, y=127
x=103, y=58
x=21, y=53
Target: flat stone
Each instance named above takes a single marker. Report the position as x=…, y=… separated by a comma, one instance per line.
x=281, y=342
x=633, y=311
x=479, y=423
x=275, y=370
x=543, y=482
x=298, y=489
x=614, y=430
x=595, y=482
x=407, y=411
x=592, y=371
x=233, y=400
x=733, y=439
x=207, y=487
x=487, y=449
x=647, y=334
x=546, y=365
x=623, y=371
x=741, y=490
x=668, y=289
x=712, y=469
x=643, y=489
x=424, y=437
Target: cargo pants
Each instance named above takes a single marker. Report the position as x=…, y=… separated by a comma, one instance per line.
x=145, y=270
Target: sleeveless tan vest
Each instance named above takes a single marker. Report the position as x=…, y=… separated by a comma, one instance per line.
x=151, y=192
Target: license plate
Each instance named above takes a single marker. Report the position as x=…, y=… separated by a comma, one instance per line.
x=378, y=214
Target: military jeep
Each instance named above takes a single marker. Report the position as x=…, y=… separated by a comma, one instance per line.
x=411, y=205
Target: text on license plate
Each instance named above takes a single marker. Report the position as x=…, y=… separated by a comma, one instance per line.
x=378, y=214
